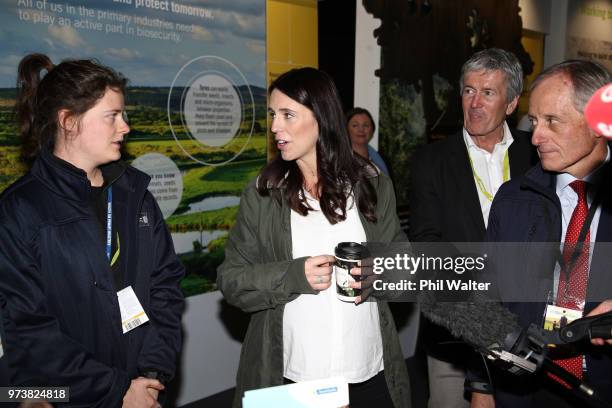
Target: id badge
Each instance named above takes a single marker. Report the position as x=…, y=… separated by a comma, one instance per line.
x=132, y=313
x=557, y=317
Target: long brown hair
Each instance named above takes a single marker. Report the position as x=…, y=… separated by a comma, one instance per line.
x=43, y=89
x=340, y=171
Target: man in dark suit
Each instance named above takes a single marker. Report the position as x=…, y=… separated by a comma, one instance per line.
x=453, y=184
x=564, y=199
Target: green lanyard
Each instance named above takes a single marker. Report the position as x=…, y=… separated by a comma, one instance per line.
x=479, y=182
x=116, y=256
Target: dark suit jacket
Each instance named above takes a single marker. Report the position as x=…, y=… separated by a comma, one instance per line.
x=527, y=209
x=444, y=203
x=444, y=207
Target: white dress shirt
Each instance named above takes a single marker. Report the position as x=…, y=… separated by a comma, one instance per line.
x=489, y=167
x=322, y=335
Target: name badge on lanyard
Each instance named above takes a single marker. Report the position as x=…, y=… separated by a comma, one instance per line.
x=132, y=313
x=558, y=317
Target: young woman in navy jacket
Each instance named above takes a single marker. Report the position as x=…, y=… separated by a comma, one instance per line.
x=81, y=242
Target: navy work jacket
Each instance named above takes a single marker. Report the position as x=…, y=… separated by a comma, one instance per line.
x=527, y=210
x=60, y=307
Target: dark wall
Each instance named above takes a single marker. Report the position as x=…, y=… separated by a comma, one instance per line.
x=337, y=45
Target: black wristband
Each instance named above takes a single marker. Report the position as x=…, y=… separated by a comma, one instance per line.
x=155, y=375
x=478, y=386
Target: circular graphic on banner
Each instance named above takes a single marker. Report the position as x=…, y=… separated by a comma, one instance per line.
x=212, y=110
x=166, y=180
x=210, y=106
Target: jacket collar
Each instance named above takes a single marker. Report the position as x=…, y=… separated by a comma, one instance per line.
x=522, y=153
x=540, y=181
x=545, y=182
x=67, y=180
x=461, y=171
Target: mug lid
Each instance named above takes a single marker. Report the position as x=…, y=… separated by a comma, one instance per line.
x=351, y=250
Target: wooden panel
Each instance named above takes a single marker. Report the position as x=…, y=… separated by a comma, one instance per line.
x=292, y=41
x=533, y=42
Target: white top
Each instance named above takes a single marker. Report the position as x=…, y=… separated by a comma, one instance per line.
x=489, y=167
x=569, y=200
x=322, y=335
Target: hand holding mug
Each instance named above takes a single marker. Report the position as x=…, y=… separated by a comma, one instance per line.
x=318, y=271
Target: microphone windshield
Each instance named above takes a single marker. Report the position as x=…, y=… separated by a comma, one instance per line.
x=480, y=323
x=598, y=111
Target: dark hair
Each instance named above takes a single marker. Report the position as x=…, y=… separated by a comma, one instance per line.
x=43, y=89
x=493, y=59
x=360, y=111
x=586, y=77
x=340, y=172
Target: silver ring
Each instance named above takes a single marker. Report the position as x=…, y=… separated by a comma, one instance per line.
x=320, y=280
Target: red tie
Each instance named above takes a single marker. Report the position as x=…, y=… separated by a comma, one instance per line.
x=572, y=294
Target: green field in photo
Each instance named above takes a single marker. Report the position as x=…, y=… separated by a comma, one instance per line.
x=233, y=166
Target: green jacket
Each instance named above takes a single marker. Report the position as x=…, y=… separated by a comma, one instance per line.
x=259, y=276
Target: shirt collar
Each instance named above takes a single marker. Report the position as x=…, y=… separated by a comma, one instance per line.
x=564, y=179
x=506, y=141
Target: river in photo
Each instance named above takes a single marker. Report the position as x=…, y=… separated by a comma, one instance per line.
x=213, y=203
x=183, y=241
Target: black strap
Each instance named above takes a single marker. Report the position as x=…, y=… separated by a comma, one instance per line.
x=581, y=240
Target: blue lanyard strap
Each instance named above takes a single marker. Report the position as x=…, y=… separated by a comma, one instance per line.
x=109, y=222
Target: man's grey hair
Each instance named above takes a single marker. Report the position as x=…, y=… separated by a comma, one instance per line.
x=492, y=59
x=586, y=77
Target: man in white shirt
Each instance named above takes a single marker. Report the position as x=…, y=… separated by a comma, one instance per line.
x=453, y=185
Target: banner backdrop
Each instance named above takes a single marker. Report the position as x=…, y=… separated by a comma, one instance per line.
x=196, y=101
x=589, y=31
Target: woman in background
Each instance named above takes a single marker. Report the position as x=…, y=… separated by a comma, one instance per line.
x=361, y=129
x=85, y=257
x=314, y=195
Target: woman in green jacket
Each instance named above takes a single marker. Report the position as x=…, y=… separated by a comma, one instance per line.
x=278, y=259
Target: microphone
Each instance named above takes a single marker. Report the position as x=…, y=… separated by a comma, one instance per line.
x=491, y=329
x=480, y=323
x=494, y=331
x=598, y=111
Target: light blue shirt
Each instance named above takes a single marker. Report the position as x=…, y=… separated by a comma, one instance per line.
x=377, y=160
